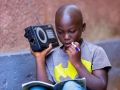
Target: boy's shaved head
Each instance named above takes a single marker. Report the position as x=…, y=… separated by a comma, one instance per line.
x=70, y=11
x=69, y=24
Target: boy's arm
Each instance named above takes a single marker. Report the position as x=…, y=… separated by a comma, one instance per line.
x=41, y=71
x=95, y=81
x=40, y=64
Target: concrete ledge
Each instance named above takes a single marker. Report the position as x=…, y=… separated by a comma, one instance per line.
x=16, y=68
x=19, y=67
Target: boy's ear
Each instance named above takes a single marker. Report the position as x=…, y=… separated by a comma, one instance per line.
x=84, y=26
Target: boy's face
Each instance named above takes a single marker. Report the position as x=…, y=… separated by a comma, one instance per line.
x=69, y=29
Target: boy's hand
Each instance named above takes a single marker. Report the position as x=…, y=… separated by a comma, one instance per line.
x=42, y=54
x=74, y=55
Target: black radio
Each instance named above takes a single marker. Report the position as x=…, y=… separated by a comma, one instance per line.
x=40, y=36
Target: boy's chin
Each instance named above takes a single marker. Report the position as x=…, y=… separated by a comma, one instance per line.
x=66, y=47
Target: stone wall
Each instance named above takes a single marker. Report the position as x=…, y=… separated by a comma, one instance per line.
x=19, y=67
x=101, y=16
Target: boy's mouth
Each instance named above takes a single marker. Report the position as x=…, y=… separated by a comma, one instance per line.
x=67, y=44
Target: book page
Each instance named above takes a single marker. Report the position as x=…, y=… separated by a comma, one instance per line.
x=27, y=86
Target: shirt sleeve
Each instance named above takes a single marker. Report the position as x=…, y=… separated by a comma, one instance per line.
x=100, y=59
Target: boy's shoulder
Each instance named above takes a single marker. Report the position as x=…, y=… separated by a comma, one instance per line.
x=91, y=46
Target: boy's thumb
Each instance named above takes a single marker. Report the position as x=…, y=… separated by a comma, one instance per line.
x=49, y=48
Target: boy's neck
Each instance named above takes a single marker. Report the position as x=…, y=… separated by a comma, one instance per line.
x=80, y=41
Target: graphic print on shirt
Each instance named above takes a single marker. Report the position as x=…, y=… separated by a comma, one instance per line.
x=70, y=71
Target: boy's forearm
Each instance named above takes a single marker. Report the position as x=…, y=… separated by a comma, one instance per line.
x=93, y=82
x=41, y=72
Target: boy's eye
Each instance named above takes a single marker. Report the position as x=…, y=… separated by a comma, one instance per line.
x=59, y=32
x=72, y=31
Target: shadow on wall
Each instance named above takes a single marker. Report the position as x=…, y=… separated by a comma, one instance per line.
x=19, y=67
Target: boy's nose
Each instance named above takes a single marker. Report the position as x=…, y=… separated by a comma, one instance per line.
x=66, y=36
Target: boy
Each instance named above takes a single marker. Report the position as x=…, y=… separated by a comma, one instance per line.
x=66, y=62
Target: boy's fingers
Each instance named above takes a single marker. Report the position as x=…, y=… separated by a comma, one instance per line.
x=49, y=48
x=43, y=53
x=76, y=43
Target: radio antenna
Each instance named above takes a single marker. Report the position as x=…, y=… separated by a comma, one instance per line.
x=33, y=11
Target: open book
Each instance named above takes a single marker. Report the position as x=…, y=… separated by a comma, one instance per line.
x=57, y=86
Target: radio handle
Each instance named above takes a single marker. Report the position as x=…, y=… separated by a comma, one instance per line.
x=33, y=12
